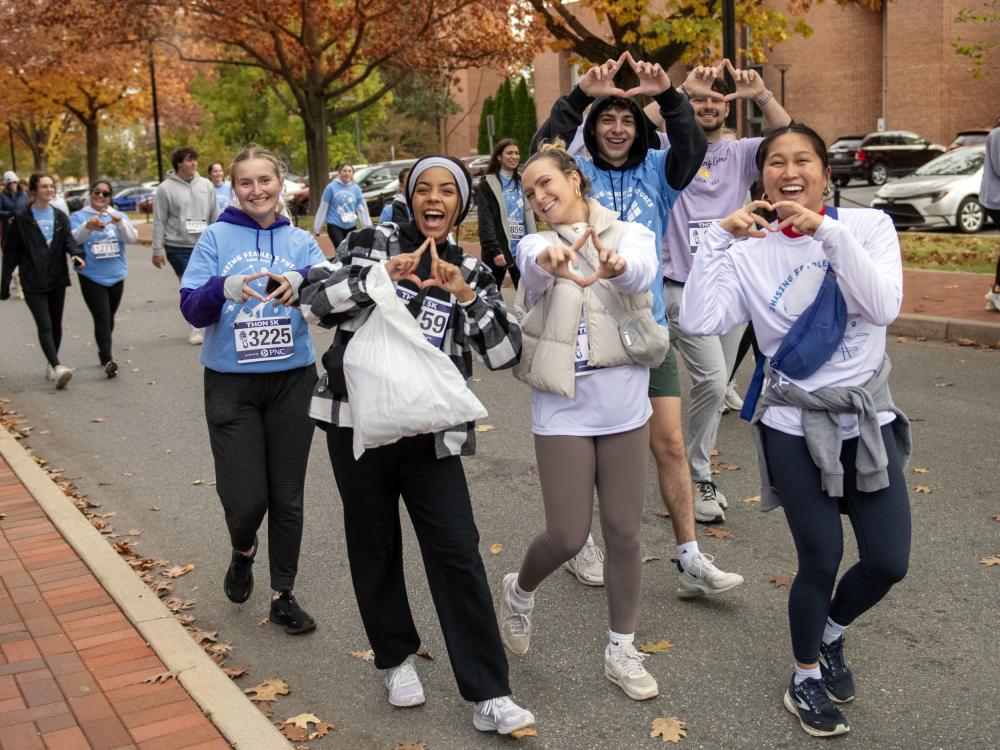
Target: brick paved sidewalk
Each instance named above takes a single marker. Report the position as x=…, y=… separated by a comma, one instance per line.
x=71, y=665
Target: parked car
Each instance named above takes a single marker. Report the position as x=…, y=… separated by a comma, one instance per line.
x=971, y=137
x=477, y=165
x=944, y=192
x=128, y=199
x=76, y=197
x=892, y=153
x=841, y=156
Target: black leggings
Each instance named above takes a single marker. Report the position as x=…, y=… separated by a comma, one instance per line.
x=881, y=522
x=500, y=271
x=994, y=213
x=337, y=234
x=102, y=301
x=47, y=310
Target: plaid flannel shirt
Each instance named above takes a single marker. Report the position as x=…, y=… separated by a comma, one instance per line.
x=333, y=296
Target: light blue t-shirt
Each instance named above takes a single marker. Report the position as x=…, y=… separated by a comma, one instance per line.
x=250, y=336
x=103, y=250
x=224, y=194
x=344, y=202
x=640, y=194
x=513, y=200
x=46, y=220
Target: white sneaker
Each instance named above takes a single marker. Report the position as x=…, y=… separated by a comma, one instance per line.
x=404, y=685
x=515, y=627
x=61, y=374
x=732, y=400
x=707, y=508
x=588, y=564
x=993, y=301
x=702, y=577
x=50, y=373
x=196, y=337
x=501, y=715
x=623, y=666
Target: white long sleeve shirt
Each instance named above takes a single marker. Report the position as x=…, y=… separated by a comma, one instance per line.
x=772, y=280
x=608, y=400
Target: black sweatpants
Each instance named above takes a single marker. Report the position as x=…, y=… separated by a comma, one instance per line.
x=881, y=522
x=47, y=310
x=260, y=432
x=437, y=499
x=102, y=301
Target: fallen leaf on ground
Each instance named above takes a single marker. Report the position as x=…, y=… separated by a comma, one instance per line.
x=484, y=427
x=198, y=481
x=923, y=489
x=368, y=655
x=716, y=452
x=718, y=533
x=133, y=532
x=750, y=500
x=163, y=676
x=780, y=581
x=942, y=385
x=150, y=382
x=266, y=708
x=650, y=558
x=991, y=560
x=220, y=649
x=235, y=672
x=526, y=732
x=965, y=342
x=901, y=339
x=155, y=508
x=177, y=571
x=663, y=513
x=293, y=733
x=268, y=690
x=263, y=622
x=668, y=729
x=496, y=549
x=728, y=467
x=303, y=720
x=425, y=654
x=409, y=745
x=996, y=517
x=168, y=451
x=323, y=729
x=98, y=419
x=919, y=470
x=203, y=636
x=177, y=605
x=660, y=647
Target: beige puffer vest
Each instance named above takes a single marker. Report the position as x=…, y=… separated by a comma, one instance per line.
x=549, y=328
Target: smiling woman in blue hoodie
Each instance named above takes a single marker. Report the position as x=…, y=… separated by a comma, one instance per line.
x=259, y=375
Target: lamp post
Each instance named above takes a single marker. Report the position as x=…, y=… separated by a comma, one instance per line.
x=13, y=159
x=782, y=67
x=729, y=49
x=156, y=114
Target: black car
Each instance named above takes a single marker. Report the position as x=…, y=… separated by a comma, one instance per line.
x=841, y=156
x=892, y=153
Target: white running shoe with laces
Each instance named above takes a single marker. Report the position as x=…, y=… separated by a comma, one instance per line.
x=702, y=577
x=587, y=564
x=992, y=301
x=61, y=374
x=732, y=401
x=707, y=505
x=501, y=715
x=623, y=666
x=404, y=685
x=515, y=623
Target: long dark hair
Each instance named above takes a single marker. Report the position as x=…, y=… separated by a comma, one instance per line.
x=494, y=167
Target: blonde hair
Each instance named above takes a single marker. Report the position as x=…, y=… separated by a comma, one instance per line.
x=257, y=152
x=555, y=150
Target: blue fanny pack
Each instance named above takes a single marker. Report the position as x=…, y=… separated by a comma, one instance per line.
x=810, y=342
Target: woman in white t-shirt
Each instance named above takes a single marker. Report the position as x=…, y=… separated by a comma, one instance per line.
x=829, y=437
x=590, y=409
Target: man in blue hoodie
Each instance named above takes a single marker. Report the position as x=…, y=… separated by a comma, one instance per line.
x=629, y=175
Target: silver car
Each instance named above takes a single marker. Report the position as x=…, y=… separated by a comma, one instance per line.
x=944, y=192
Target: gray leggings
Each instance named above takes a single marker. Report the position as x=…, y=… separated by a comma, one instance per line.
x=569, y=467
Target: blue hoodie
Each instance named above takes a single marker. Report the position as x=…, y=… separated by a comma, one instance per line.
x=248, y=337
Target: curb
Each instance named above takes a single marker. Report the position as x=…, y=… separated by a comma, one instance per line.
x=946, y=329
x=223, y=703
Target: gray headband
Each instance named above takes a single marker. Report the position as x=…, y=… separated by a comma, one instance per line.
x=429, y=162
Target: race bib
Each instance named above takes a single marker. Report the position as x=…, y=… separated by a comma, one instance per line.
x=348, y=217
x=696, y=230
x=516, y=231
x=263, y=340
x=433, y=318
x=105, y=250
x=580, y=363
x=195, y=226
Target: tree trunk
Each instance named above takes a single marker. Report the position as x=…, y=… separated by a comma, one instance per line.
x=314, y=119
x=92, y=146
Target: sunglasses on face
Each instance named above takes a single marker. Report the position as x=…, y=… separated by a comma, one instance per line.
x=101, y=193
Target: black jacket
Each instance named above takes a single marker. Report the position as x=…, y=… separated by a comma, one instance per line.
x=43, y=266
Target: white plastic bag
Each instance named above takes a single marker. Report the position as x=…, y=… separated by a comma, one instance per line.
x=397, y=383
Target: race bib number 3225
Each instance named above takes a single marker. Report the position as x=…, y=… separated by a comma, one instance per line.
x=263, y=340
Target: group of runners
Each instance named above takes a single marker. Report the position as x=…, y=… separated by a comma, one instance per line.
x=648, y=232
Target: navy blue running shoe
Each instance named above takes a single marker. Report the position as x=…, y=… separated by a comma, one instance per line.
x=837, y=675
x=817, y=714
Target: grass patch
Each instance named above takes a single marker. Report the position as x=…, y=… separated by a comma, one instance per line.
x=949, y=252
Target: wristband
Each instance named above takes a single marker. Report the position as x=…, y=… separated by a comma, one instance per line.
x=765, y=99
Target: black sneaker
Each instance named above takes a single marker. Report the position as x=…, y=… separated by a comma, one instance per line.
x=817, y=714
x=238, y=583
x=111, y=368
x=286, y=611
x=837, y=677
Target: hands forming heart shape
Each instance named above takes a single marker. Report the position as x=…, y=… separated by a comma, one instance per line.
x=561, y=261
x=743, y=222
x=444, y=275
x=281, y=295
x=599, y=80
x=749, y=85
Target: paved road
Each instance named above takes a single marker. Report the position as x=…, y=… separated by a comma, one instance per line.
x=926, y=661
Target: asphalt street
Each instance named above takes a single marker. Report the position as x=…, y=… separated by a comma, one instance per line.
x=926, y=660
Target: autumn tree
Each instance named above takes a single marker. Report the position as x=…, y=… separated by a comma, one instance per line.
x=35, y=122
x=982, y=42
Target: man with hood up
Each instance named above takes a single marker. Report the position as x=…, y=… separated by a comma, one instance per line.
x=641, y=182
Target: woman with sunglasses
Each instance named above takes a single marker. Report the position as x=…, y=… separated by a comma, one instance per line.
x=102, y=232
x=38, y=242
